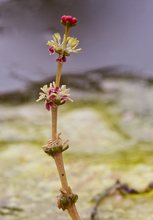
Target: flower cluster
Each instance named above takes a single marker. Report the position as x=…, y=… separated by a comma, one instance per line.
x=68, y=20
x=59, y=46
x=56, y=46
x=54, y=95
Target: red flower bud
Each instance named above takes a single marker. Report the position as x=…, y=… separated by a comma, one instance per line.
x=64, y=58
x=74, y=20
x=68, y=20
x=61, y=59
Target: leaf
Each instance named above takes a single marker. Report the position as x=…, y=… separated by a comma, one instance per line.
x=58, y=38
x=54, y=38
x=63, y=87
x=40, y=98
x=49, y=43
x=72, y=42
x=44, y=89
x=76, y=50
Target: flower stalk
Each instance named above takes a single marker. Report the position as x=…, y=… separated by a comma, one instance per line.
x=58, y=77
x=55, y=96
x=59, y=157
x=54, y=122
x=60, y=64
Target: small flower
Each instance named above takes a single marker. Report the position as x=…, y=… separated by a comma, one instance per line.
x=68, y=20
x=55, y=45
x=51, y=50
x=54, y=95
x=72, y=44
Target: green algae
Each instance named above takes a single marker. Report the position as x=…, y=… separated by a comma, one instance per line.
x=105, y=111
x=29, y=179
x=124, y=159
x=89, y=174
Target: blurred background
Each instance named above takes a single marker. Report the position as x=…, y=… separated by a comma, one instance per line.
x=110, y=123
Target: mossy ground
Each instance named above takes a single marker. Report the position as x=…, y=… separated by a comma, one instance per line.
x=110, y=139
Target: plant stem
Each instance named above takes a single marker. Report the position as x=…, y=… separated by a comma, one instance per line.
x=58, y=74
x=73, y=212
x=61, y=171
x=58, y=78
x=59, y=157
x=54, y=122
x=60, y=65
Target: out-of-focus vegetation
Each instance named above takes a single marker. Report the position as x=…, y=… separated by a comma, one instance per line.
x=109, y=127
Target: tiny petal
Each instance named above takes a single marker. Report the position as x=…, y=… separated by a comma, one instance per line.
x=59, y=59
x=44, y=89
x=51, y=50
x=65, y=98
x=54, y=95
x=47, y=106
x=64, y=58
x=57, y=89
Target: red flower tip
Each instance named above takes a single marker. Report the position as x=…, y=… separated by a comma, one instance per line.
x=61, y=59
x=48, y=106
x=51, y=50
x=68, y=20
x=64, y=58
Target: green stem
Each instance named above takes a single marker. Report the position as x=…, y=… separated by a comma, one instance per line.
x=60, y=65
x=59, y=157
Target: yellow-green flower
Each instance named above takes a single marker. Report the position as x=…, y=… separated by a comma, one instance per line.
x=54, y=95
x=56, y=45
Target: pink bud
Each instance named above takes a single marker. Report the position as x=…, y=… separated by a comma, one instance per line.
x=63, y=18
x=51, y=97
x=74, y=20
x=59, y=59
x=64, y=58
x=68, y=20
x=57, y=89
x=47, y=106
x=51, y=50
